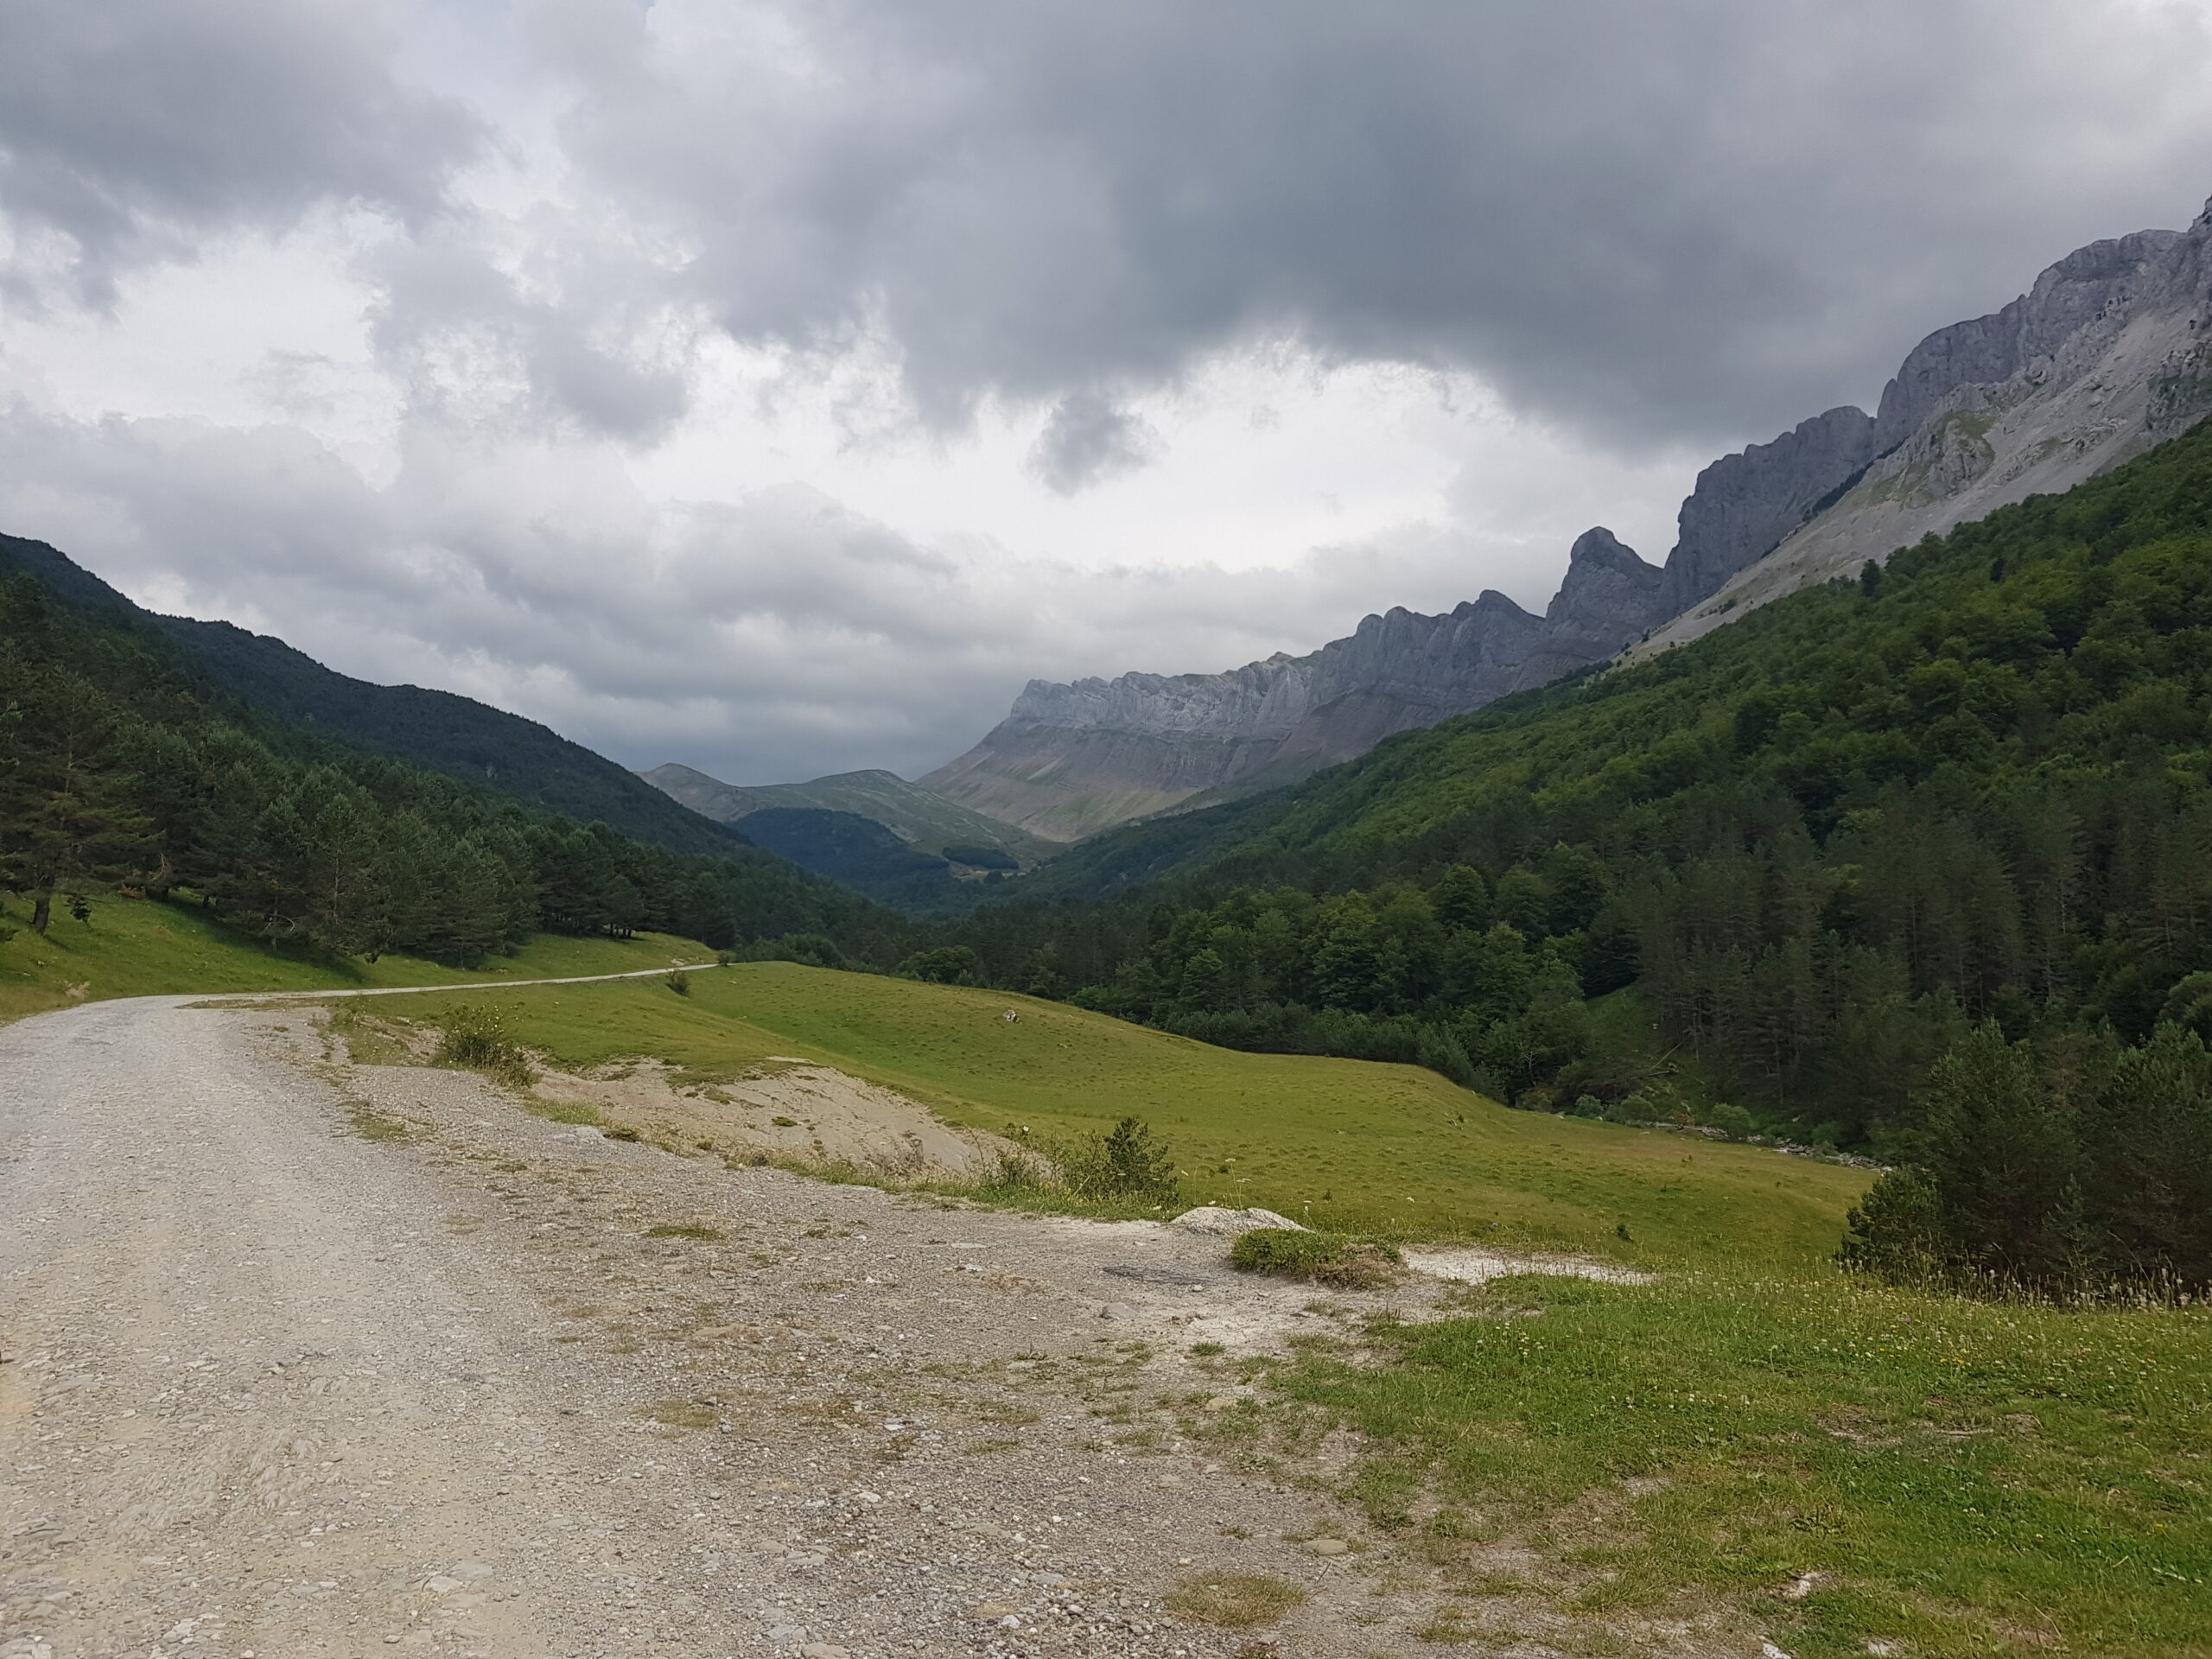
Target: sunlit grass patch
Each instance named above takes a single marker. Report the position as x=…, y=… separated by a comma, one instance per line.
x=684, y=1414
x=1934, y=1473
x=1238, y=1600
x=372, y=1125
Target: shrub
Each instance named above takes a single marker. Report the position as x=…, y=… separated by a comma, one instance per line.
x=476, y=1037
x=954, y=964
x=1014, y=1173
x=1324, y=1258
x=679, y=982
x=1896, y=1232
x=1127, y=1161
x=1732, y=1120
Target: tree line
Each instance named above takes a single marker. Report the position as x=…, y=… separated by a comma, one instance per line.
x=120, y=765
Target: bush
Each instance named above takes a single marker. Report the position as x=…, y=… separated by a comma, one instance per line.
x=1126, y=1162
x=1324, y=1258
x=1732, y=1120
x=476, y=1037
x=954, y=964
x=1896, y=1233
x=679, y=982
x=1014, y=1173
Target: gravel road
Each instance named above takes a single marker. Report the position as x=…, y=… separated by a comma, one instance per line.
x=298, y=1358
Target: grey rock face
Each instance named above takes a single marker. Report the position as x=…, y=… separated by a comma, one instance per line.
x=2108, y=353
x=1745, y=503
x=1074, y=759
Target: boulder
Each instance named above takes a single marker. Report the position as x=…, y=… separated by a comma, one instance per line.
x=1211, y=1221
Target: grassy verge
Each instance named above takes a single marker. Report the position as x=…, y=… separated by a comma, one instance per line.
x=1354, y=1147
x=1850, y=1469
x=133, y=947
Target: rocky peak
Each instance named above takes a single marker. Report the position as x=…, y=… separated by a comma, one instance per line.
x=1610, y=594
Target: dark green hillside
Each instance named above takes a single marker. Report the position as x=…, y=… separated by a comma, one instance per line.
x=120, y=763
x=864, y=855
x=453, y=734
x=1787, y=867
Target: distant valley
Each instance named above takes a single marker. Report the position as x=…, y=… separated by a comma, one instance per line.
x=896, y=841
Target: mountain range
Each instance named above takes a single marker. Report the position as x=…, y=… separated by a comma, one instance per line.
x=2108, y=353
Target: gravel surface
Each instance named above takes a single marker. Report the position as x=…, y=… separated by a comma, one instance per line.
x=297, y=1357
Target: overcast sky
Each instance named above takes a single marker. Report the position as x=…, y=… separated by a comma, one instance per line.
x=775, y=388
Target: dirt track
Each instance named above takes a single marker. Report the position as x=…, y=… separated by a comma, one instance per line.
x=273, y=1385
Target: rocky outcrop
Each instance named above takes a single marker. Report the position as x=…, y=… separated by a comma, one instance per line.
x=2107, y=354
x=1075, y=759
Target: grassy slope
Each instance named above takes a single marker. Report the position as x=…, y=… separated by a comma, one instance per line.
x=134, y=948
x=1966, y=1478
x=1394, y=1148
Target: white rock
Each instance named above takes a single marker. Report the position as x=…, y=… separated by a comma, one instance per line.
x=824, y=1650
x=1329, y=1547
x=1211, y=1221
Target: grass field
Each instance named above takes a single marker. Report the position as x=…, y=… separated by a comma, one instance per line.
x=1754, y=1438
x=133, y=947
x=1388, y=1150
x=1953, y=1478
x=1836, y=1467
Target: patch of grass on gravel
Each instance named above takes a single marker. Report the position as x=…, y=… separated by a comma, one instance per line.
x=562, y=1111
x=685, y=1229
x=1956, y=1478
x=1318, y=1258
x=372, y=1125
x=684, y=1414
x=1238, y=1600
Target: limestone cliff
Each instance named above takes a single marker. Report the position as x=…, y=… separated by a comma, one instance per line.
x=2107, y=354
x=1072, y=759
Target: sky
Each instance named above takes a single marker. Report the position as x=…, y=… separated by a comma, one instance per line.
x=776, y=388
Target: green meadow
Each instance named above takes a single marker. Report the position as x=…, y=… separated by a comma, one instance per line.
x=134, y=947
x=1843, y=1468
x=1387, y=1149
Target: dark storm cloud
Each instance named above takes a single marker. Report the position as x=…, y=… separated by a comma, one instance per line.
x=1088, y=438
x=131, y=130
x=1653, y=220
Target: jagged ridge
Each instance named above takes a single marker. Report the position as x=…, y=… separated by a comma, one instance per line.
x=2108, y=353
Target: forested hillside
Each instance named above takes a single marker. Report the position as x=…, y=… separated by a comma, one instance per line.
x=1786, y=868
x=456, y=735
x=122, y=764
